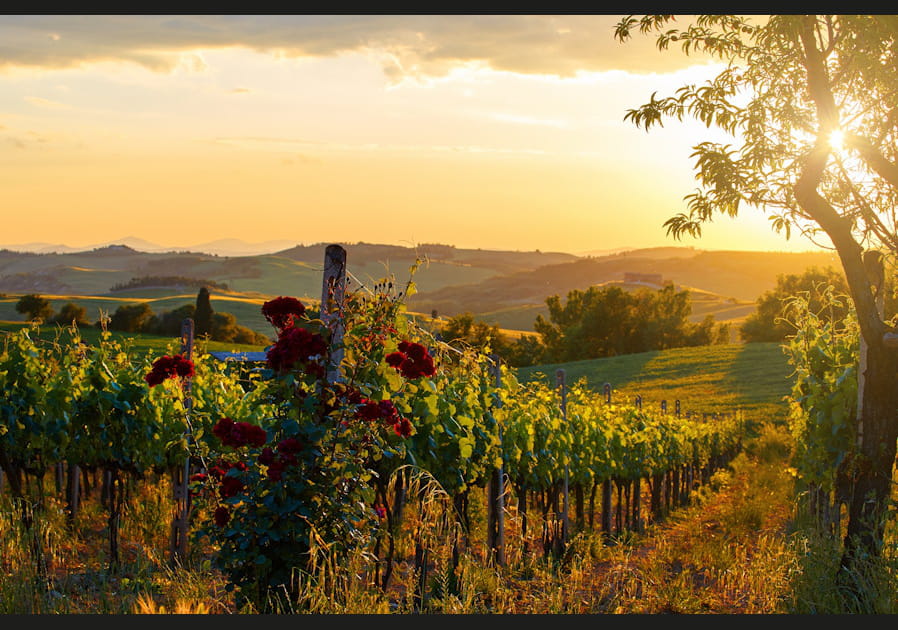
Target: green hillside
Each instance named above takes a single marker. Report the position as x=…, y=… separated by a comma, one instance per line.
x=707, y=379
x=247, y=310
x=507, y=288
x=734, y=278
x=153, y=344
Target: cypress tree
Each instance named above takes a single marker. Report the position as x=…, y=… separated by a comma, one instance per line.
x=202, y=317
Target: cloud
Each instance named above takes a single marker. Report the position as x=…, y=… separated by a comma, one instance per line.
x=294, y=145
x=407, y=45
x=46, y=103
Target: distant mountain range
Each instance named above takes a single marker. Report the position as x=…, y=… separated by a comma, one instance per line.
x=220, y=247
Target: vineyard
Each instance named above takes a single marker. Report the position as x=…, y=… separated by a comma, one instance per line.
x=359, y=459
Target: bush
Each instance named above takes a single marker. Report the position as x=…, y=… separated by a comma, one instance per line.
x=71, y=313
x=35, y=307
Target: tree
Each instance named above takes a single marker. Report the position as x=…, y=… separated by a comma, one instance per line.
x=71, y=313
x=169, y=323
x=767, y=323
x=474, y=333
x=34, y=307
x=202, y=317
x=810, y=103
x=131, y=318
x=525, y=350
x=609, y=321
x=225, y=328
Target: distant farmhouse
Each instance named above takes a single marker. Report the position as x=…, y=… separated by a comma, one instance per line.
x=643, y=278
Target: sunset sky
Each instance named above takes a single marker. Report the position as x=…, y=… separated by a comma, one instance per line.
x=498, y=132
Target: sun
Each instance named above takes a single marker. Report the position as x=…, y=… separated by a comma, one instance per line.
x=837, y=140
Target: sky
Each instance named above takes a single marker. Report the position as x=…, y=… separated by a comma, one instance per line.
x=493, y=132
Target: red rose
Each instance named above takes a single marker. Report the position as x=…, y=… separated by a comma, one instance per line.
x=184, y=367
x=266, y=457
x=169, y=367
x=154, y=378
x=238, y=434
x=256, y=435
x=230, y=486
x=289, y=445
x=281, y=311
x=403, y=428
x=276, y=470
x=294, y=345
x=222, y=516
x=412, y=360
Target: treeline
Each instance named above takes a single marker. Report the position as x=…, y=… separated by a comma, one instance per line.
x=140, y=318
x=609, y=321
x=597, y=322
x=813, y=291
x=167, y=281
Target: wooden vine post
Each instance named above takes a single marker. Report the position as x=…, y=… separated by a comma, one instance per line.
x=181, y=474
x=496, y=496
x=333, y=290
x=565, y=524
x=606, y=484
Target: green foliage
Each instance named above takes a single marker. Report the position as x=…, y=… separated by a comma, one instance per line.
x=823, y=403
x=169, y=323
x=225, y=328
x=609, y=321
x=131, y=318
x=769, y=322
x=35, y=307
x=166, y=281
x=466, y=329
x=71, y=313
x=525, y=350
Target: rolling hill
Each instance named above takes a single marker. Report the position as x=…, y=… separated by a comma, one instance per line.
x=508, y=288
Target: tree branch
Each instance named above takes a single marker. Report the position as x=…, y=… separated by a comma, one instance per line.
x=835, y=225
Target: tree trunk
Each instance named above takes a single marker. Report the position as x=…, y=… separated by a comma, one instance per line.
x=872, y=479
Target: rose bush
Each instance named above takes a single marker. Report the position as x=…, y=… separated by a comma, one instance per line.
x=282, y=493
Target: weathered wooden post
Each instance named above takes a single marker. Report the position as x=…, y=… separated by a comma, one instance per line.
x=565, y=525
x=181, y=474
x=496, y=499
x=333, y=291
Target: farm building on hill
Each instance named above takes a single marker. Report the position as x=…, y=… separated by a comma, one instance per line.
x=643, y=278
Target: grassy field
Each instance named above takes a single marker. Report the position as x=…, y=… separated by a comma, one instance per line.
x=153, y=344
x=246, y=309
x=707, y=379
